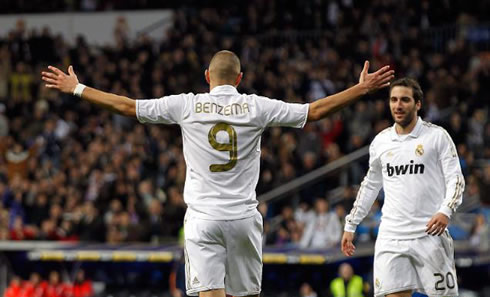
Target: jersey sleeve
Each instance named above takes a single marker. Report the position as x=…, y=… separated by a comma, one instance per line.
x=279, y=113
x=368, y=192
x=451, y=168
x=165, y=110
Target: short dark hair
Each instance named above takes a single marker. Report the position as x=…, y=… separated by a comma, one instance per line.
x=408, y=82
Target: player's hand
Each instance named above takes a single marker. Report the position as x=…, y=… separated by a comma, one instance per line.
x=346, y=244
x=376, y=80
x=57, y=79
x=437, y=224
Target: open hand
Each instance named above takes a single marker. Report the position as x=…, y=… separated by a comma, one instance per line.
x=437, y=224
x=57, y=79
x=346, y=244
x=376, y=80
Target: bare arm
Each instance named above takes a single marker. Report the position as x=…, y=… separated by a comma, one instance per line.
x=66, y=83
x=368, y=82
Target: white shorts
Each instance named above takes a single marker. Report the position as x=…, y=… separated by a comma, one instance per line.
x=424, y=265
x=223, y=255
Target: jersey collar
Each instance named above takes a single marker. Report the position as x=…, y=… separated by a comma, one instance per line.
x=415, y=132
x=224, y=89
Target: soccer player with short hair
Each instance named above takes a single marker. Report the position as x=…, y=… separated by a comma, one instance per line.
x=416, y=164
x=221, y=143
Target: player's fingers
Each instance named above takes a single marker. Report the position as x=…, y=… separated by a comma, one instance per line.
x=430, y=222
x=345, y=245
x=382, y=70
x=366, y=67
x=49, y=74
x=436, y=229
x=51, y=86
x=386, y=75
x=430, y=228
x=70, y=70
x=50, y=80
x=56, y=70
x=347, y=251
x=386, y=80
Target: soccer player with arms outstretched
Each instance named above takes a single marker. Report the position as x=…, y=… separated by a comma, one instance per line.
x=221, y=133
x=416, y=164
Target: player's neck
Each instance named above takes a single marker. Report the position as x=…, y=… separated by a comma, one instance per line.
x=407, y=129
x=213, y=85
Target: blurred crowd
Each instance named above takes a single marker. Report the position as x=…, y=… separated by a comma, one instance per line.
x=71, y=171
x=53, y=286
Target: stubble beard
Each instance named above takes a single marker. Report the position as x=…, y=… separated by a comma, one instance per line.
x=406, y=120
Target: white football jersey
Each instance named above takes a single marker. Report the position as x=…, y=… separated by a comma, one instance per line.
x=221, y=133
x=420, y=175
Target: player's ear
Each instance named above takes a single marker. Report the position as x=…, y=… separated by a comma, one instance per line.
x=206, y=75
x=238, y=79
x=418, y=104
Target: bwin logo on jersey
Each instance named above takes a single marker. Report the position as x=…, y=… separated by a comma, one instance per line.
x=405, y=169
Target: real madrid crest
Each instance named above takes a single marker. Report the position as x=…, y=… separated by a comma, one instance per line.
x=419, y=151
x=377, y=283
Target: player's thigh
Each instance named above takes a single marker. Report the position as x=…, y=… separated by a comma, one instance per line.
x=434, y=261
x=393, y=270
x=213, y=293
x=244, y=258
x=204, y=251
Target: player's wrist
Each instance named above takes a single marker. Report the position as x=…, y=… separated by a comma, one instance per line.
x=350, y=227
x=78, y=90
x=363, y=88
x=447, y=211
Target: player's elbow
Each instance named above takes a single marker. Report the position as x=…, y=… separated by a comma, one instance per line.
x=313, y=113
x=128, y=108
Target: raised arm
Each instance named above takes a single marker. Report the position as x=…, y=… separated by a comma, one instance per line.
x=368, y=82
x=68, y=83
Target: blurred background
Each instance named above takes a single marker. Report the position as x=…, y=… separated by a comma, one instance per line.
x=91, y=203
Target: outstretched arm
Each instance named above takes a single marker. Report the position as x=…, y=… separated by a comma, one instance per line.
x=68, y=83
x=368, y=82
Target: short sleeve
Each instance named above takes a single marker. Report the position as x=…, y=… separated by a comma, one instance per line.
x=165, y=110
x=279, y=113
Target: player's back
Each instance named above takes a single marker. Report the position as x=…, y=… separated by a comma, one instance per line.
x=221, y=139
x=221, y=133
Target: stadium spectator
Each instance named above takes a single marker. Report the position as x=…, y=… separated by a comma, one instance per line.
x=347, y=284
x=282, y=227
x=480, y=234
x=82, y=287
x=34, y=287
x=55, y=287
x=324, y=230
x=307, y=291
x=15, y=288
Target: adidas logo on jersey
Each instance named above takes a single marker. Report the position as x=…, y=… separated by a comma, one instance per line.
x=405, y=169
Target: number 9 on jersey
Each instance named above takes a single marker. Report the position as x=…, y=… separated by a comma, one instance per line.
x=230, y=146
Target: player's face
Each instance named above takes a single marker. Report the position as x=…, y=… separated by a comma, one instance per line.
x=403, y=106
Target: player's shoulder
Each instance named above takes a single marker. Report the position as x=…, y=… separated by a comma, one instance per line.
x=383, y=136
x=433, y=129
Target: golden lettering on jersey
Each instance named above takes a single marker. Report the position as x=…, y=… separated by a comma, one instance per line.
x=226, y=110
